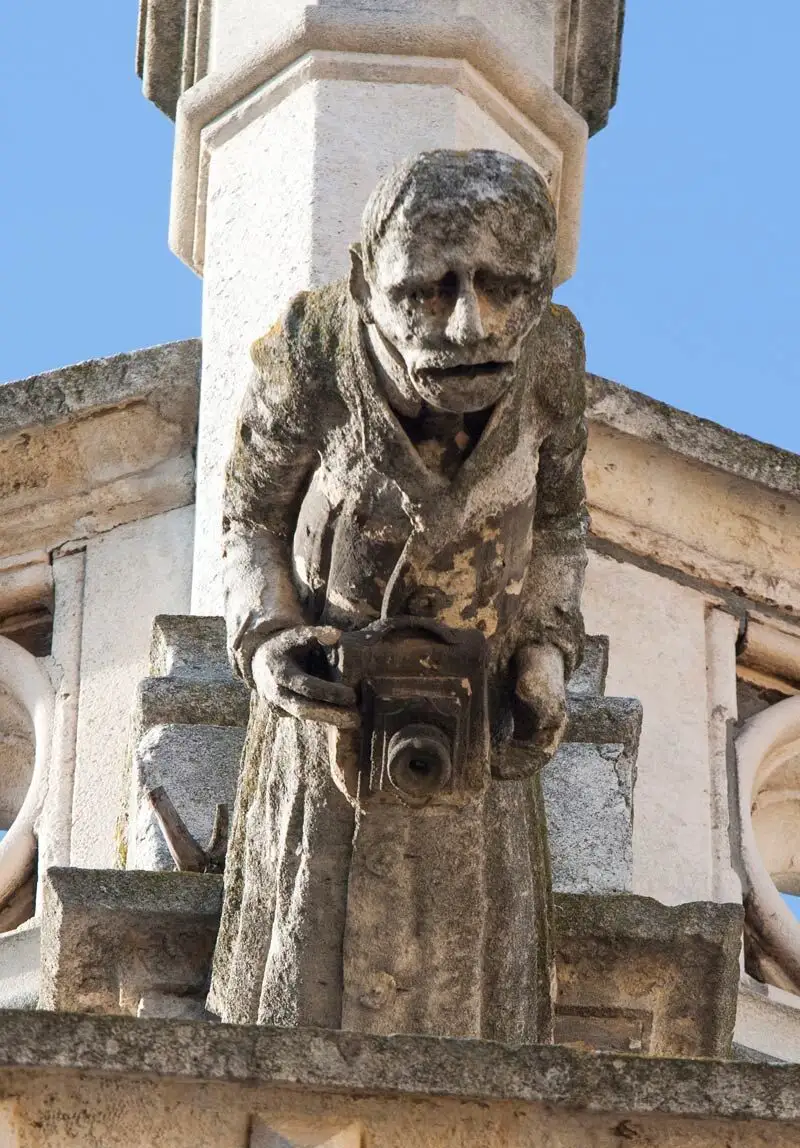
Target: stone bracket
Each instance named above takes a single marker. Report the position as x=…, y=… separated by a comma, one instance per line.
x=111, y=938
x=666, y=976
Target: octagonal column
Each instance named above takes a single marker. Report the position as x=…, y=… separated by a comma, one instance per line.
x=278, y=147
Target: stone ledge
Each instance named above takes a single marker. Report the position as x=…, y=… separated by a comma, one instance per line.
x=92, y=446
x=81, y=389
x=174, y=701
x=338, y=1062
x=612, y=405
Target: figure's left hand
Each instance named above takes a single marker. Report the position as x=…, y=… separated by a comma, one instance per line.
x=542, y=691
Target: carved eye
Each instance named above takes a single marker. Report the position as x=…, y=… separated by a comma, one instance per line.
x=422, y=294
x=503, y=288
x=444, y=289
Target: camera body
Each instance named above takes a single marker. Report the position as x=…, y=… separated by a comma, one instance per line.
x=424, y=736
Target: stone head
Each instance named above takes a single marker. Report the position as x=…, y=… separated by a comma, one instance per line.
x=455, y=267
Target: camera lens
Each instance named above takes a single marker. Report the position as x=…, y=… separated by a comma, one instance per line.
x=419, y=762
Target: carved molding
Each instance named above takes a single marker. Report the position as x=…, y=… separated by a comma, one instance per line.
x=172, y=51
x=587, y=56
x=458, y=52
x=768, y=758
x=171, y=48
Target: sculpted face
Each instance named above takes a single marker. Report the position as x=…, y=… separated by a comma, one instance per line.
x=454, y=296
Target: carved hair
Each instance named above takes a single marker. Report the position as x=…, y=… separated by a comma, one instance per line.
x=444, y=180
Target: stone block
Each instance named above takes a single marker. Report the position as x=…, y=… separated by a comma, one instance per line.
x=588, y=790
x=175, y=701
x=171, y=1006
x=589, y=805
x=198, y=766
x=664, y=978
x=19, y=967
x=111, y=938
x=605, y=721
x=91, y=446
x=165, y=50
x=590, y=676
x=190, y=647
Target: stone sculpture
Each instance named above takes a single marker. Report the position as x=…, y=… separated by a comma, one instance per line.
x=404, y=556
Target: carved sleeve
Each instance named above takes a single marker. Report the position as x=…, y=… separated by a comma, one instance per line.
x=274, y=451
x=558, y=557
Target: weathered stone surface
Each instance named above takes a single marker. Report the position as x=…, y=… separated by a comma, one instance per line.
x=588, y=791
x=19, y=967
x=660, y=653
x=129, y=574
x=633, y=413
x=676, y=966
x=587, y=56
x=605, y=721
x=170, y=1006
x=110, y=938
x=166, y=376
x=198, y=766
x=188, y=730
x=588, y=796
x=408, y=455
x=315, y=1060
x=88, y=447
x=178, y=701
x=171, y=48
x=768, y=1021
x=190, y=647
x=307, y=1136
x=590, y=676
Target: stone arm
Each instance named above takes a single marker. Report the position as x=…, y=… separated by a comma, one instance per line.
x=558, y=556
x=553, y=587
x=273, y=456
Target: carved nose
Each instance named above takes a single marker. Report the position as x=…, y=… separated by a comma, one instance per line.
x=465, y=324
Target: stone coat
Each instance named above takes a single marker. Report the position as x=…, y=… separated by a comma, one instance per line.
x=429, y=920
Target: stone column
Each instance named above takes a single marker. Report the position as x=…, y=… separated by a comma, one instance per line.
x=303, y=107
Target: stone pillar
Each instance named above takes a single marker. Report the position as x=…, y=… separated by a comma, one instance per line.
x=304, y=107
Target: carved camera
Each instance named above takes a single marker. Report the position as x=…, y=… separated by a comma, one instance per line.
x=422, y=689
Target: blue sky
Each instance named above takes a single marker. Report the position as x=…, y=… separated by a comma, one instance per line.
x=688, y=280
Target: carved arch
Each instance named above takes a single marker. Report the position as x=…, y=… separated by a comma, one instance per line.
x=768, y=758
x=25, y=679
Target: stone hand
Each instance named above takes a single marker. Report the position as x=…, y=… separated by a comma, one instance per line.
x=541, y=690
x=283, y=674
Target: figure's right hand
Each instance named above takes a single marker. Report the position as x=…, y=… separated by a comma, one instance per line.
x=281, y=675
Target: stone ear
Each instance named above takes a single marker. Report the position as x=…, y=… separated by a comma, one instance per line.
x=359, y=285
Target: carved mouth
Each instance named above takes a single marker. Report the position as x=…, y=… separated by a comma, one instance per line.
x=466, y=370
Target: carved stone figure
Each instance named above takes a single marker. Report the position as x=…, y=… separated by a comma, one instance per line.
x=404, y=558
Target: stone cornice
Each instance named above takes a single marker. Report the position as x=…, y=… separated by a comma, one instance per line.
x=698, y=439
x=359, y=1065
x=87, y=447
